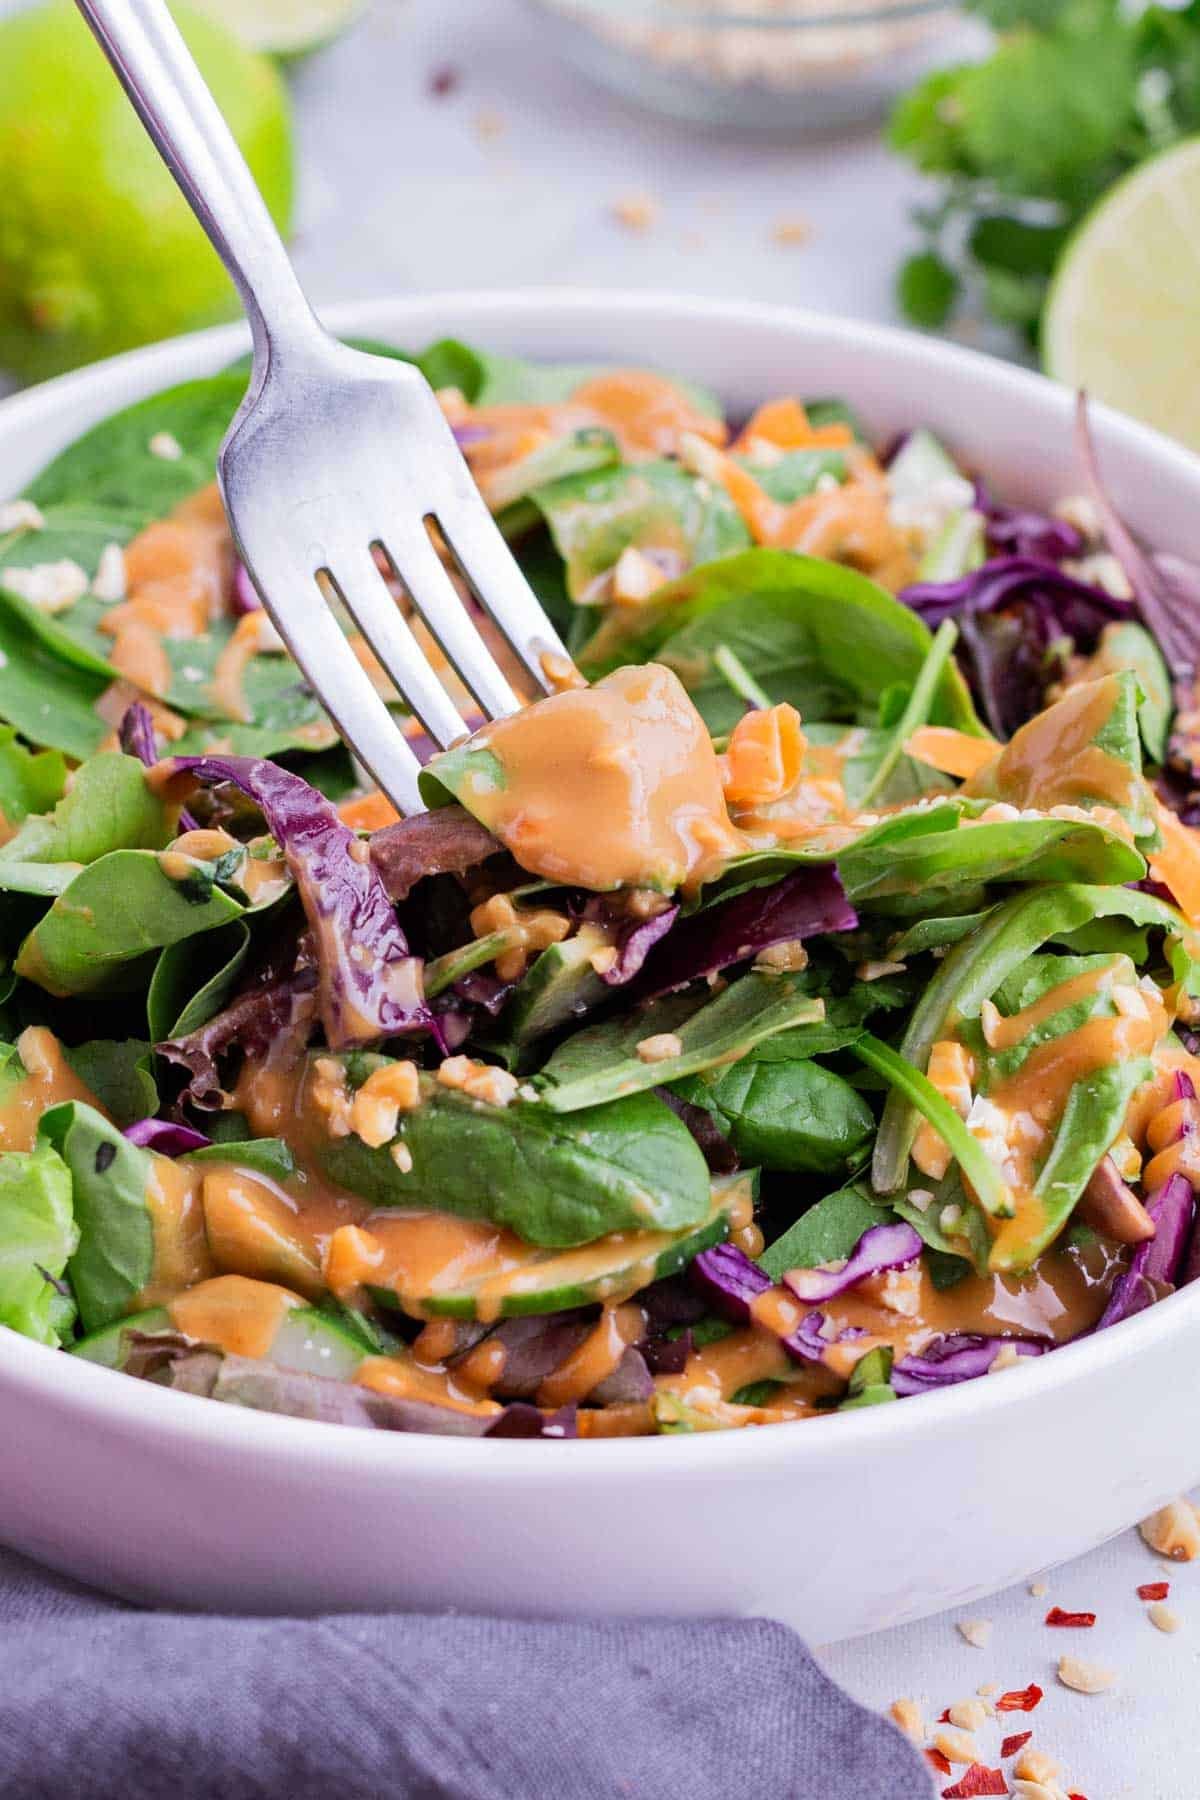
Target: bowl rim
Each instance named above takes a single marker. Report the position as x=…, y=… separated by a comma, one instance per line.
x=696, y=15
x=186, y=1422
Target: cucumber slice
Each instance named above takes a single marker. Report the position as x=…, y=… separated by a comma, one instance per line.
x=560, y=986
x=610, y=1269
x=921, y=462
x=309, y=1340
x=110, y=1346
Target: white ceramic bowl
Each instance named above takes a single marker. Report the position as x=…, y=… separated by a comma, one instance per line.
x=838, y=1526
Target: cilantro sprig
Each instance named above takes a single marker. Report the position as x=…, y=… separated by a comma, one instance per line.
x=1022, y=145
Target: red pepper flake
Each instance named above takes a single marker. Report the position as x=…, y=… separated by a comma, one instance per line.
x=1020, y=1699
x=1154, y=1590
x=937, y=1761
x=1012, y=1744
x=1082, y=1620
x=443, y=81
x=977, y=1780
x=945, y=1718
x=1076, y=1797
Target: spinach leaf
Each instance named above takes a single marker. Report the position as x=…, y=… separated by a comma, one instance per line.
x=193, y=980
x=37, y=1235
x=48, y=701
x=967, y=1247
x=270, y=1157
x=827, y=1232
x=511, y=381
x=30, y=781
x=603, y=1062
x=1106, y=770
x=792, y=1116
x=650, y=506
x=975, y=968
x=630, y=1165
x=117, y=1072
x=112, y=468
x=110, y=806
x=115, y=1255
x=111, y=916
x=971, y=855
x=810, y=632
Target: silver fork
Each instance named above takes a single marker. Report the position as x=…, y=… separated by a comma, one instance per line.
x=333, y=455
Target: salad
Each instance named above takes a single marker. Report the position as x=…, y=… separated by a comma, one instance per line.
x=793, y=1012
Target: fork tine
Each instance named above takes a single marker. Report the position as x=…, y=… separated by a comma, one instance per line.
x=316, y=641
x=498, y=583
x=365, y=593
x=436, y=599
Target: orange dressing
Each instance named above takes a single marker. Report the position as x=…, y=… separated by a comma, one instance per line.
x=49, y=1080
x=616, y=785
x=595, y=1359
x=181, y=1253
x=1053, y=759
x=238, y=1315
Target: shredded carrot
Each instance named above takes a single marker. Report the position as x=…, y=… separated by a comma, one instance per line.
x=785, y=424
x=765, y=754
x=369, y=812
x=951, y=752
x=1177, y=863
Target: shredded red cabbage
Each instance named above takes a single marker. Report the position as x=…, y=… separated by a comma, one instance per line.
x=445, y=842
x=958, y=1356
x=369, y=984
x=632, y=938
x=804, y=904
x=881, y=1248
x=136, y=736
x=166, y=1137
x=732, y=1282
x=1019, y=531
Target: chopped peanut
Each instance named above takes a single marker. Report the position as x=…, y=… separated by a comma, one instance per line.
x=402, y=1156
x=907, y=1715
x=661, y=1047
x=977, y=1632
x=951, y=1070
x=1085, y=1677
x=1173, y=1531
x=1035, y=1765
x=968, y=1715
x=635, y=577
x=787, y=958
x=1165, y=1617
x=956, y=1746
x=1038, y=1589
x=636, y=212
x=875, y=971
x=386, y=1093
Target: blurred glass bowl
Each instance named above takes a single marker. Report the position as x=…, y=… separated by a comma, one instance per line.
x=765, y=65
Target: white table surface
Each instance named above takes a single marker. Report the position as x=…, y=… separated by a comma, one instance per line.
x=404, y=190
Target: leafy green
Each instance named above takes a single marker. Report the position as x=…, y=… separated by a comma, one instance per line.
x=30, y=781
x=49, y=701
x=1034, y=850
x=37, y=1236
x=115, y=1254
x=870, y=1380
x=650, y=506
x=827, y=1232
x=791, y=1116
x=270, y=1157
x=602, y=1062
x=192, y=980
x=971, y=973
x=625, y=1166
x=919, y=1091
x=117, y=1071
x=110, y=917
x=813, y=633
x=110, y=806
x=1074, y=94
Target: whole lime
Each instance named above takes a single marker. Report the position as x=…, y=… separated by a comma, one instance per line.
x=99, y=251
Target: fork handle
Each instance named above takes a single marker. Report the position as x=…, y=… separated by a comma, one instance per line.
x=156, y=69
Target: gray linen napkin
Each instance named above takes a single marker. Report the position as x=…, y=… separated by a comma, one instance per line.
x=103, y=1701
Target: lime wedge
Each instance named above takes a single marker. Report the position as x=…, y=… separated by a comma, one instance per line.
x=1123, y=315
x=283, y=27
